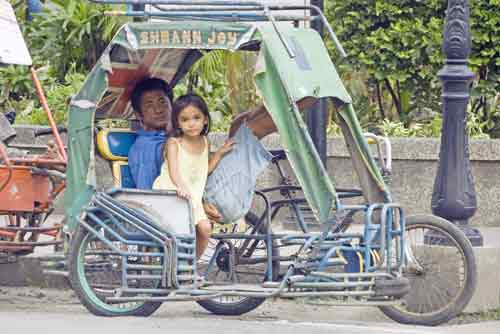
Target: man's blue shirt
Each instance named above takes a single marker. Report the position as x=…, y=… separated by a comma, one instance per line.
x=146, y=157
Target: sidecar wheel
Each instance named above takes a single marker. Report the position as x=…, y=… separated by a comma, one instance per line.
x=242, y=305
x=92, y=283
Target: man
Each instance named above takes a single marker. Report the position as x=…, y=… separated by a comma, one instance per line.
x=152, y=102
x=230, y=186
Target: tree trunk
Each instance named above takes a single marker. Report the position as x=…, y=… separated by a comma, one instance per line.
x=400, y=103
x=396, y=101
x=379, y=100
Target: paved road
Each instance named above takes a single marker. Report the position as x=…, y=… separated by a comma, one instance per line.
x=64, y=323
x=31, y=310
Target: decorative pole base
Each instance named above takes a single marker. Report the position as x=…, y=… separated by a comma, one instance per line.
x=435, y=238
x=473, y=234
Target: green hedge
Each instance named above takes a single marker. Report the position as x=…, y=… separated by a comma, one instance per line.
x=397, y=43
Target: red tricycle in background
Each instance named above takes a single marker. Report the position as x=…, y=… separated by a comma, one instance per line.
x=29, y=184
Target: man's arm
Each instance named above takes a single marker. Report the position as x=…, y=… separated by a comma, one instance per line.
x=259, y=120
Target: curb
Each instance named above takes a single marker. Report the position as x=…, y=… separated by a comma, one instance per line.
x=29, y=271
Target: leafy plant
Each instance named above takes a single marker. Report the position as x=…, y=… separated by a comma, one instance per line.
x=230, y=71
x=72, y=32
x=58, y=98
x=485, y=62
x=397, y=43
x=432, y=128
x=15, y=82
x=239, y=73
x=17, y=87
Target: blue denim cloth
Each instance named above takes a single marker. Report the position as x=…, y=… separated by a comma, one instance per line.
x=230, y=187
x=146, y=157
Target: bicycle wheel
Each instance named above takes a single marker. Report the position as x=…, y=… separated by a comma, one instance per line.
x=95, y=273
x=440, y=289
x=253, y=273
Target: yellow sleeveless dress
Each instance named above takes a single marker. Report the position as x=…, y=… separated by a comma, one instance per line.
x=194, y=171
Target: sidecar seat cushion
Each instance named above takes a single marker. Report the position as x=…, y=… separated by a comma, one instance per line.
x=114, y=144
x=122, y=177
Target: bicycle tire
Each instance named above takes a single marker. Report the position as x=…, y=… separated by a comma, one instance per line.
x=457, y=304
x=246, y=304
x=87, y=296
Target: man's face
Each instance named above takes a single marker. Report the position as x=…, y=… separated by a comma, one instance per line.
x=156, y=109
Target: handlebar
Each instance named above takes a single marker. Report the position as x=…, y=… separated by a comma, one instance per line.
x=43, y=132
x=385, y=154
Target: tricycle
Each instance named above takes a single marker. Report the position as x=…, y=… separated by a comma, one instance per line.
x=132, y=249
x=29, y=184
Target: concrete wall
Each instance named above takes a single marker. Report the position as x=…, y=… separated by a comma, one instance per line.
x=414, y=168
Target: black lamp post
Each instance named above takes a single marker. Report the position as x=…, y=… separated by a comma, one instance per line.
x=454, y=197
x=316, y=117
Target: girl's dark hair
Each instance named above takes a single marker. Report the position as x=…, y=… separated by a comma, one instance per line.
x=147, y=85
x=185, y=101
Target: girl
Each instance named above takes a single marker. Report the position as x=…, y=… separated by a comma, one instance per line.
x=187, y=163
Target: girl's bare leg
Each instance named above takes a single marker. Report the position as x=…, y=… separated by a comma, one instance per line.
x=203, y=230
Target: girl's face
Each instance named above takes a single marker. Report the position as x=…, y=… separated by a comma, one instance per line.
x=191, y=121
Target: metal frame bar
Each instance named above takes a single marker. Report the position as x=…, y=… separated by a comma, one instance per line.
x=39, y=90
x=269, y=239
x=332, y=243
x=111, y=208
x=263, y=13
x=315, y=280
x=179, y=2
